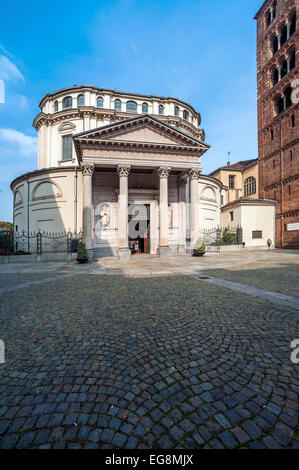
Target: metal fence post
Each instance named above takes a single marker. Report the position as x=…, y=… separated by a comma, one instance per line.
x=69, y=241
x=239, y=236
x=39, y=245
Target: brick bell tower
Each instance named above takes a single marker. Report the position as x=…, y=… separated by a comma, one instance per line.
x=278, y=117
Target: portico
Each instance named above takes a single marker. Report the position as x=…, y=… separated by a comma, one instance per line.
x=141, y=162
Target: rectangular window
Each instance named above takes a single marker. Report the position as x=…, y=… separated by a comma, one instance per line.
x=292, y=227
x=231, y=216
x=231, y=182
x=257, y=234
x=67, y=147
x=222, y=200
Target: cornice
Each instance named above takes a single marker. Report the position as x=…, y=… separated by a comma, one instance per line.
x=283, y=148
x=113, y=115
x=283, y=182
x=25, y=176
x=294, y=213
x=280, y=117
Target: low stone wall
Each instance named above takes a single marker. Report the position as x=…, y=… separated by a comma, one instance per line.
x=241, y=247
x=37, y=258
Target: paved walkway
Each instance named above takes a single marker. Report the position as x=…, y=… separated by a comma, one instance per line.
x=145, y=355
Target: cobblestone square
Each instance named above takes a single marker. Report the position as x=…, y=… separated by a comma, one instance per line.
x=144, y=355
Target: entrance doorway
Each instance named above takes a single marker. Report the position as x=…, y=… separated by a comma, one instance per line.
x=139, y=228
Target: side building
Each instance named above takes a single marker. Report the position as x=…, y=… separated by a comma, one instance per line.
x=241, y=206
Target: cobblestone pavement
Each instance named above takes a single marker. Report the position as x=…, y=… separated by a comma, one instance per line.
x=282, y=278
x=146, y=361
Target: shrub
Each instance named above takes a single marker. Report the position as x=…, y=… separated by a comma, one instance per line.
x=228, y=238
x=82, y=251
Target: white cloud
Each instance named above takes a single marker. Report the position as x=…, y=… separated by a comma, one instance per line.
x=9, y=71
x=17, y=143
x=2, y=48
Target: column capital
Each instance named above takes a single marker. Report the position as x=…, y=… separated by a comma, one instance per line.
x=194, y=173
x=123, y=169
x=163, y=171
x=87, y=168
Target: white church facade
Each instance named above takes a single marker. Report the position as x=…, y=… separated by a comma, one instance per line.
x=124, y=168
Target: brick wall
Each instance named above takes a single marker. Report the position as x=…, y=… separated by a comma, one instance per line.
x=278, y=132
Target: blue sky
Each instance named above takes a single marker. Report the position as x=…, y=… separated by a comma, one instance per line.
x=201, y=51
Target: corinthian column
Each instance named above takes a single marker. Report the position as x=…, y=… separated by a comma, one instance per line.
x=88, y=171
x=182, y=220
x=194, y=216
x=124, y=252
x=163, y=173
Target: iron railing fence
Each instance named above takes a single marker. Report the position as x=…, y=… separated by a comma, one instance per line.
x=39, y=242
x=216, y=237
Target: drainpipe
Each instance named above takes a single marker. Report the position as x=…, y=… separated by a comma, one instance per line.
x=76, y=199
x=28, y=214
x=188, y=235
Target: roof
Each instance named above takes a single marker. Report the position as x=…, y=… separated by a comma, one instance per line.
x=250, y=201
x=115, y=92
x=239, y=166
x=41, y=170
x=262, y=7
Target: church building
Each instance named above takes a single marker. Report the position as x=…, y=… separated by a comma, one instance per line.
x=107, y=158
x=123, y=168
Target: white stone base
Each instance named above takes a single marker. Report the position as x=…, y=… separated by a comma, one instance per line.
x=124, y=254
x=164, y=251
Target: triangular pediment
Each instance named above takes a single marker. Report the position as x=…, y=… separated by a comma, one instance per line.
x=145, y=133
x=142, y=132
x=142, y=129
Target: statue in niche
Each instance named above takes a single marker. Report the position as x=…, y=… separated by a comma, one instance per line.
x=105, y=217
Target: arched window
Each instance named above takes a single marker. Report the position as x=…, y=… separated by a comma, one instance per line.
x=250, y=186
x=279, y=104
x=284, y=35
x=161, y=109
x=288, y=94
x=268, y=18
x=185, y=114
x=144, y=107
x=274, y=10
x=292, y=22
x=56, y=106
x=100, y=102
x=117, y=104
x=275, y=44
x=131, y=106
x=176, y=110
x=283, y=68
x=275, y=76
x=81, y=100
x=67, y=102
x=292, y=59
